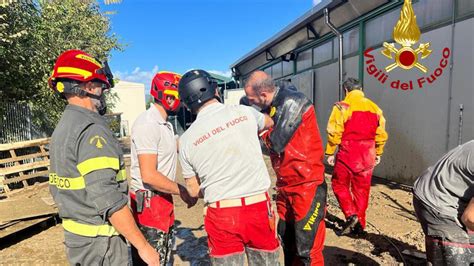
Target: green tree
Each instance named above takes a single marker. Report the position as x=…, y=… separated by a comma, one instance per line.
x=36, y=33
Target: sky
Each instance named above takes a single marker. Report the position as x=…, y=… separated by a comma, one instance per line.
x=179, y=35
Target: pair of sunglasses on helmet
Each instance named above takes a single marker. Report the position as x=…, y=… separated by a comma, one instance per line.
x=105, y=70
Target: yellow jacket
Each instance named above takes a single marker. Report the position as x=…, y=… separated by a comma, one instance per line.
x=356, y=118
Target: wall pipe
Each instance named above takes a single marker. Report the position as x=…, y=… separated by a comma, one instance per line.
x=461, y=110
x=451, y=66
x=339, y=35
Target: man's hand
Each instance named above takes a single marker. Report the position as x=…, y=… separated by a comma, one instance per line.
x=188, y=199
x=123, y=221
x=149, y=255
x=467, y=217
x=377, y=159
x=331, y=160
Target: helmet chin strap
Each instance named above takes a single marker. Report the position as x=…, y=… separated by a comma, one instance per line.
x=102, y=108
x=74, y=88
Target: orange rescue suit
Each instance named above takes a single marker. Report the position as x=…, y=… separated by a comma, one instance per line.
x=357, y=127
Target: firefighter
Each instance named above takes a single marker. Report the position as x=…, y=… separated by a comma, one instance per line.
x=357, y=128
x=153, y=169
x=443, y=198
x=296, y=152
x=87, y=175
x=221, y=157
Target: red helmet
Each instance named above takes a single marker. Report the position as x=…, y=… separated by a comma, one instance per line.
x=165, y=84
x=79, y=66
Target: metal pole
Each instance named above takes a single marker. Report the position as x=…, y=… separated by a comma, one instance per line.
x=451, y=65
x=339, y=35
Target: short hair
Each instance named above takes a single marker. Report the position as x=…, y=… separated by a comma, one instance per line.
x=352, y=84
x=260, y=83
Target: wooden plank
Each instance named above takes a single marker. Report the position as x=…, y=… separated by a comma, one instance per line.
x=43, y=150
x=24, y=167
x=4, y=186
x=19, y=209
x=38, y=186
x=22, y=225
x=40, y=154
x=17, y=163
x=26, y=177
x=24, y=144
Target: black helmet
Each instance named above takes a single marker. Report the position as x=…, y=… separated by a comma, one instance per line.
x=196, y=87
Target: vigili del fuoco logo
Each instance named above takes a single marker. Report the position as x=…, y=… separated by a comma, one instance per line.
x=406, y=34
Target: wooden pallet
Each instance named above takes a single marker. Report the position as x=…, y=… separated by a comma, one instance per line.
x=24, y=161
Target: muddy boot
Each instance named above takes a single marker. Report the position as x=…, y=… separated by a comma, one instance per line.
x=358, y=231
x=262, y=258
x=232, y=260
x=349, y=225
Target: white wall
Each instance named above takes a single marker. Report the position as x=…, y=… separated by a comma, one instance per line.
x=131, y=102
x=233, y=96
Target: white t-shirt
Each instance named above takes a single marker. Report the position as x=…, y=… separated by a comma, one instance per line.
x=151, y=134
x=222, y=148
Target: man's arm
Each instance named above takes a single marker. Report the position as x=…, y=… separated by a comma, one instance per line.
x=467, y=217
x=264, y=121
x=154, y=178
x=146, y=140
x=381, y=135
x=123, y=221
x=335, y=128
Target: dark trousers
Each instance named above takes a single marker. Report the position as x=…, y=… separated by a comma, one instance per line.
x=161, y=241
x=446, y=242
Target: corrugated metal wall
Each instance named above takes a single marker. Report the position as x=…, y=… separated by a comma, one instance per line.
x=417, y=120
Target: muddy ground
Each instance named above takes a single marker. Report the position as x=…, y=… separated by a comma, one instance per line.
x=392, y=229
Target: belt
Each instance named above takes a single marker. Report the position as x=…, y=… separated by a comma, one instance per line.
x=240, y=201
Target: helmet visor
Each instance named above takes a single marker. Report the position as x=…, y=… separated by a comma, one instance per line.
x=105, y=70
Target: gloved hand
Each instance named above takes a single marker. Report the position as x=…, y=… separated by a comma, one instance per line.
x=331, y=160
x=377, y=159
x=184, y=194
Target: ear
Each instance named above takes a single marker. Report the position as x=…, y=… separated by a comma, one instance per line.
x=89, y=87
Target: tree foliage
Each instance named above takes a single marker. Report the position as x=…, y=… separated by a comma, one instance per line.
x=33, y=34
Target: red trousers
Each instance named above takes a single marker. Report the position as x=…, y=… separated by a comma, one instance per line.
x=352, y=190
x=301, y=226
x=231, y=230
x=158, y=212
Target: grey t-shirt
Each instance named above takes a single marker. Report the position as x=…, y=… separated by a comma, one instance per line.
x=448, y=186
x=151, y=134
x=222, y=148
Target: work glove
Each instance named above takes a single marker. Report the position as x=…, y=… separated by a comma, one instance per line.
x=331, y=160
x=377, y=159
